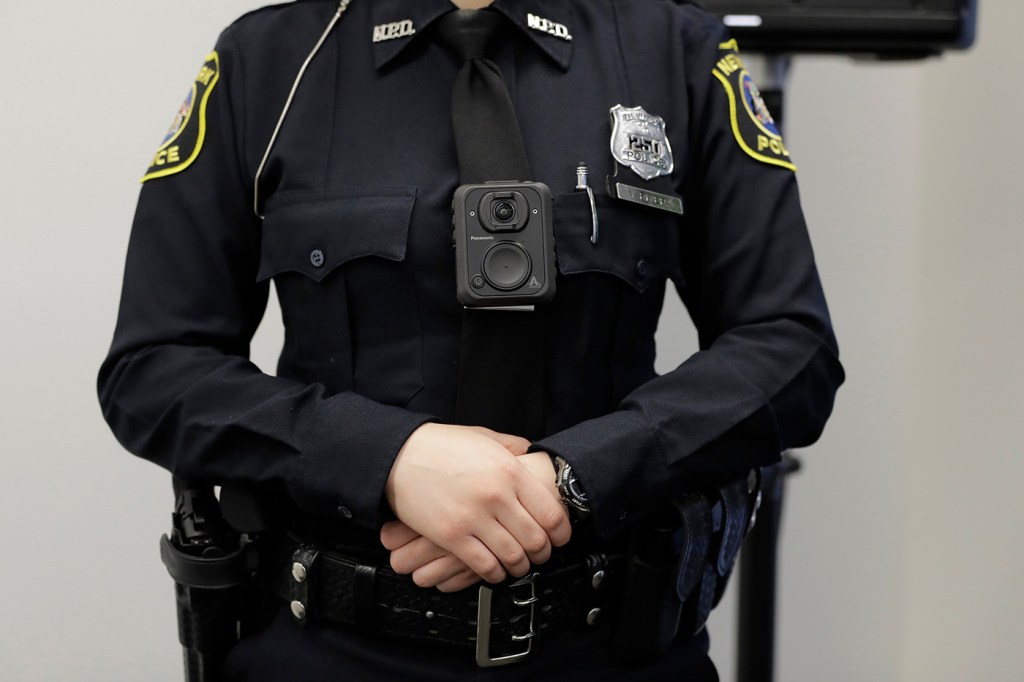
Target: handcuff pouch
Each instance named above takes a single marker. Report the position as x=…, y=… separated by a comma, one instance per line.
x=649, y=611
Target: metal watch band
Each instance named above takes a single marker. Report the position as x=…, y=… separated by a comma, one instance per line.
x=570, y=490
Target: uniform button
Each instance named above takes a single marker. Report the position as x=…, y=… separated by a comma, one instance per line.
x=642, y=268
x=345, y=511
x=317, y=258
x=623, y=515
x=594, y=617
x=299, y=572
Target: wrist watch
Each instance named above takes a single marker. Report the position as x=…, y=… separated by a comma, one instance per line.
x=570, y=490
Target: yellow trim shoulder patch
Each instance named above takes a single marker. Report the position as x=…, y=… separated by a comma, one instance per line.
x=752, y=123
x=184, y=141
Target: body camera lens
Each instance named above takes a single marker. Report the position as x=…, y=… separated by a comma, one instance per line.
x=503, y=211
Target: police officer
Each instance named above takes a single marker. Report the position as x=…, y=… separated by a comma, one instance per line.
x=345, y=202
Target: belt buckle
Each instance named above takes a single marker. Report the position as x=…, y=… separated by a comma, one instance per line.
x=483, y=624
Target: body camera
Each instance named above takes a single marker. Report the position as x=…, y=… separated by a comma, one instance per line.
x=504, y=244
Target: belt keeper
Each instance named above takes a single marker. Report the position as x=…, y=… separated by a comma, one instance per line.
x=303, y=561
x=363, y=596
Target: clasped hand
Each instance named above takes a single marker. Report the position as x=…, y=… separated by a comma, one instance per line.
x=471, y=504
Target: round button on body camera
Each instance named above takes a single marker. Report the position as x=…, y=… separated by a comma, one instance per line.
x=506, y=265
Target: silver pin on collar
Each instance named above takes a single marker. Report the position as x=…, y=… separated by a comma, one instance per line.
x=582, y=185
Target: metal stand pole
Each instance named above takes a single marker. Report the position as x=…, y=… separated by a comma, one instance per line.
x=758, y=577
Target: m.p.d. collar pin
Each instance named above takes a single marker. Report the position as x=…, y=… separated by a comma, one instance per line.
x=396, y=29
x=547, y=26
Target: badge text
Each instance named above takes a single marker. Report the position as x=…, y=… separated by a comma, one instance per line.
x=644, y=149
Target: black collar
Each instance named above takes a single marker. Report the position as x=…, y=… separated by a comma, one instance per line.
x=547, y=23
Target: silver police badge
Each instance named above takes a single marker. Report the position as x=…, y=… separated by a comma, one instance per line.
x=639, y=141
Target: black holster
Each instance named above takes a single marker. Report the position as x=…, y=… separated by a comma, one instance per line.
x=678, y=567
x=214, y=568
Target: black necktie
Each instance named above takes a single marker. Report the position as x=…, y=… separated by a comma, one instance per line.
x=487, y=137
x=501, y=367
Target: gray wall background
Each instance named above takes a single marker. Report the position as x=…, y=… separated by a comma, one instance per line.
x=902, y=544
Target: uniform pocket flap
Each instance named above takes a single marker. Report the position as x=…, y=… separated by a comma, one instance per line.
x=639, y=246
x=315, y=237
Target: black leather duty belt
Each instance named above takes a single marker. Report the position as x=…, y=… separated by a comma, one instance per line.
x=500, y=622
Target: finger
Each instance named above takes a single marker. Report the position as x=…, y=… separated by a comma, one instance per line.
x=545, y=509
x=479, y=558
x=438, y=571
x=396, y=534
x=459, y=582
x=504, y=547
x=528, y=534
x=414, y=555
x=514, y=444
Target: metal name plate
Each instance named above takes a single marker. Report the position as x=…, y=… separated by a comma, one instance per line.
x=664, y=202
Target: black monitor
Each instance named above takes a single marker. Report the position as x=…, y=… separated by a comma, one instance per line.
x=882, y=28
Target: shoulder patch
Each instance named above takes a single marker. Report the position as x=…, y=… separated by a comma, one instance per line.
x=184, y=141
x=752, y=123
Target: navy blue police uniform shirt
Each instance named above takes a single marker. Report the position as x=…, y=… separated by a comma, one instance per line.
x=357, y=238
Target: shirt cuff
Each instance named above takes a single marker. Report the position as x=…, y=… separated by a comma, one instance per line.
x=347, y=457
x=618, y=463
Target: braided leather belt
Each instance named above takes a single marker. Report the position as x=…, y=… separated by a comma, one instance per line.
x=499, y=622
